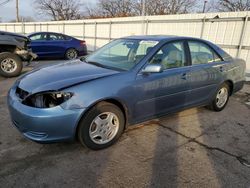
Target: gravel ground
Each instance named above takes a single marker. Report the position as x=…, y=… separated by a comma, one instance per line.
x=192, y=148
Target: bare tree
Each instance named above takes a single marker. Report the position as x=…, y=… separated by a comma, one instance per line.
x=211, y=6
x=27, y=19
x=113, y=8
x=159, y=7
x=120, y=8
x=23, y=19
x=233, y=5
x=202, y=7
x=152, y=7
x=59, y=9
x=3, y=2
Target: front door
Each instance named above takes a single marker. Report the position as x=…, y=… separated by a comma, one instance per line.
x=39, y=44
x=163, y=92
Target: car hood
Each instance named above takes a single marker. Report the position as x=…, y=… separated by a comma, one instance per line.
x=61, y=76
x=13, y=34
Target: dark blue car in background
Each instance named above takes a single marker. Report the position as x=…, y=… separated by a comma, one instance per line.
x=56, y=45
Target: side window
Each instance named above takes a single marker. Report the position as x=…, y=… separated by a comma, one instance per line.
x=145, y=47
x=171, y=55
x=202, y=54
x=67, y=37
x=55, y=37
x=37, y=37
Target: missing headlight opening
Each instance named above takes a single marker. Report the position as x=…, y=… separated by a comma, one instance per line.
x=47, y=100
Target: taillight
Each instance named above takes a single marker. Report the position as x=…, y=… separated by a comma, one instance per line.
x=83, y=42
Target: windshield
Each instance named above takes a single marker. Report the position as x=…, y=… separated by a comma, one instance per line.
x=121, y=54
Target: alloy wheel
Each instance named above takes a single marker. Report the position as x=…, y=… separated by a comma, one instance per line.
x=8, y=65
x=71, y=54
x=221, y=97
x=104, y=128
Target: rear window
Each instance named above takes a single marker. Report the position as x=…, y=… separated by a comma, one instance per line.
x=202, y=53
x=67, y=37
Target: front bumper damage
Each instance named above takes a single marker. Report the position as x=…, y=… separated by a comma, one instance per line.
x=43, y=125
x=26, y=55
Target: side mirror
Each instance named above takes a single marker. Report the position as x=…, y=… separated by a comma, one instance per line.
x=153, y=68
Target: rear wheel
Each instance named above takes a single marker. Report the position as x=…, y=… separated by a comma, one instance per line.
x=221, y=98
x=71, y=54
x=102, y=126
x=10, y=64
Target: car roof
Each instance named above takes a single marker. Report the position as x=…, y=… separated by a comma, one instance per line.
x=159, y=37
x=48, y=32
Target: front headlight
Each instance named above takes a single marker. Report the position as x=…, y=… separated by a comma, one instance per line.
x=47, y=99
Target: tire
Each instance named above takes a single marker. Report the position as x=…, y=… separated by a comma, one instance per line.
x=71, y=54
x=91, y=134
x=216, y=105
x=10, y=64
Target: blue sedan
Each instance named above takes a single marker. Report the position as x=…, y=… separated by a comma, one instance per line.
x=56, y=45
x=127, y=81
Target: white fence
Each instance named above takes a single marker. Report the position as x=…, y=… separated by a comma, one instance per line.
x=230, y=30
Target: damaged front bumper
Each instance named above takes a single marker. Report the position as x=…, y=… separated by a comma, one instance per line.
x=26, y=55
x=43, y=125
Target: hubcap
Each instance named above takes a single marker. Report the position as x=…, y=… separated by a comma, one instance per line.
x=8, y=65
x=221, y=97
x=104, y=128
x=71, y=54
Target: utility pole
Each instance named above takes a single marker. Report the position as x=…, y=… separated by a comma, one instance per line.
x=143, y=5
x=204, y=6
x=17, y=12
x=143, y=14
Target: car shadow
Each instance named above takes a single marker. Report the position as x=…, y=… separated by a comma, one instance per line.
x=210, y=153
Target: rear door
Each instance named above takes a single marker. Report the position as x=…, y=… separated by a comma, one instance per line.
x=57, y=45
x=160, y=93
x=206, y=72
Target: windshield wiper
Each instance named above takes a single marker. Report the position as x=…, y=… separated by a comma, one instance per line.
x=96, y=64
x=101, y=65
x=91, y=62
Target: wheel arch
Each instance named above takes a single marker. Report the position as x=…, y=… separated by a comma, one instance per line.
x=70, y=47
x=230, y=85
x=7, y=48
x=113, y=101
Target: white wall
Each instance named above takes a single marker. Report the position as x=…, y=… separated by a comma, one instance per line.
x=227, y=31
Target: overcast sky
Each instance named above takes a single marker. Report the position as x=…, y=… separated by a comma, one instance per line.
x=7, y=11
x=26, y=8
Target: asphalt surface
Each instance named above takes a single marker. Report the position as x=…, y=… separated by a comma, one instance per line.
x=192, y=148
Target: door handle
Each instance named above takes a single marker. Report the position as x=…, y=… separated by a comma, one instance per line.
x=184, y=76
x=221, y=69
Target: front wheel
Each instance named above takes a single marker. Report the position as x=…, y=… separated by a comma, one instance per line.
x=102, y=126
x=10, y=64
x=220, y=100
